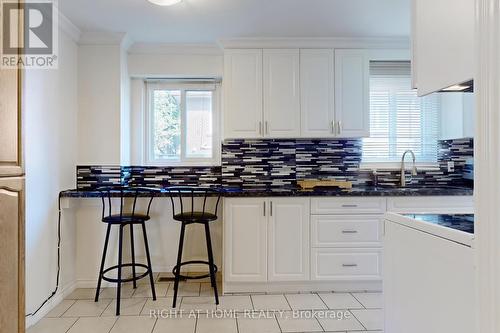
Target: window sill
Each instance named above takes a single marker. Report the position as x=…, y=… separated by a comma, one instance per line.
x=397, y=166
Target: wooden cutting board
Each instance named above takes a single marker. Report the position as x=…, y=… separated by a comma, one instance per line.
x=310, y=184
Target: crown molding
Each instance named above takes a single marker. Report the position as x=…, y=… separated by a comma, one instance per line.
x=104, y=38
x=70, y=29
x=175, y=48
x=315, y=42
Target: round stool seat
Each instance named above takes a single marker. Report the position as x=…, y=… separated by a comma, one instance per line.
x=125, y=218
x=194, y=217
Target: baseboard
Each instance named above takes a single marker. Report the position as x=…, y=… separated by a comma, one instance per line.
x=306, y=286
x=58, y=297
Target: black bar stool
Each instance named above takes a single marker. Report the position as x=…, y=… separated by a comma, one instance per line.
x=123, y=219
x=193, y=215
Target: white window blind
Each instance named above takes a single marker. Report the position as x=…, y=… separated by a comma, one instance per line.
x=399, y=120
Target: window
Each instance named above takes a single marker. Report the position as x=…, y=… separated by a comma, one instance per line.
x=399, y=120
x=181, y=120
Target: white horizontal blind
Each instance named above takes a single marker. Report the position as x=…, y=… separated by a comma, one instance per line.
x=399, y=120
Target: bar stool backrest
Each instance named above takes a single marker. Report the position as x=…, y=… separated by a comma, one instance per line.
x=185, y=198
x=123, y=192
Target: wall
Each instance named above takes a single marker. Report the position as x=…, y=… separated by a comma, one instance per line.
x=50, y=108
x=99, y=104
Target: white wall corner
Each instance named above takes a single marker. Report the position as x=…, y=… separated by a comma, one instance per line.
x=66, y=26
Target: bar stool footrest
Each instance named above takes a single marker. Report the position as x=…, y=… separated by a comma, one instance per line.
x=137, y=277
x=190, y=277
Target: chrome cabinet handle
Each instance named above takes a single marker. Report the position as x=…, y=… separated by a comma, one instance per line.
x=264, y=208
x=333, y=127
x=267, y=128
x=349, y=206
x=349, y=231
x=260, y=127
x=271, y=212
x=349, y=265
x=339, y=127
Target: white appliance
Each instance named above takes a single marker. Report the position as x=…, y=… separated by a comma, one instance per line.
x=428, y=275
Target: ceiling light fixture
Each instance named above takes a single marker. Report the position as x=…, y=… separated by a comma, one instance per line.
x=165, y=2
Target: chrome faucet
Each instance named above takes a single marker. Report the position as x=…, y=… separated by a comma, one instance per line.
x=403, y=169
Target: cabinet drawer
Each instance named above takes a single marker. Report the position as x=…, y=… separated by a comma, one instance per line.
x=346, y=230
x=346, y=264
x=323, y=206
x=441, y=204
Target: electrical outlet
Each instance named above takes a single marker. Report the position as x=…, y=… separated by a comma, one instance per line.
x=451, y=166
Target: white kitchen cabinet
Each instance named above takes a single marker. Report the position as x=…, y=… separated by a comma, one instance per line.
x=352, y=90
x=281, y=93
x=429, y=277
x=457, y=115
x=346, y=264
x=245, y=240
x=266, y=239
x=442, y=43
x=243, y=93
x=317, y=93
x=288, y=239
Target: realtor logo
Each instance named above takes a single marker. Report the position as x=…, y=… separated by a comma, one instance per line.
x=29, y=34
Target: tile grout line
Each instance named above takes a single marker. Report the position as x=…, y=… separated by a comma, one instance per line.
x=359, y=321
x=154, y=325
x=77, y=319
x=327, y=307
x=364, y=307
x=112, y=326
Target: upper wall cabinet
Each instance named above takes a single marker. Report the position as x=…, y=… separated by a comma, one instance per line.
x=442, y=43
x=281, y=93
x=292, y=93
x=352, y=90
x=243, y=93
x=317, y=93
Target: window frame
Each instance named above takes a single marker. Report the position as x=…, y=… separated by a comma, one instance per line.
x=183, y=87
x=393, y=55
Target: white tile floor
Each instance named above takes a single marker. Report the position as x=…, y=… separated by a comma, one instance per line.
x=304, y=312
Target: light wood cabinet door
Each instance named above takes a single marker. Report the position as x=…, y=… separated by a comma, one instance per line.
x=352, y=92
x=288, y=241
x=243, y=93
x=317, y=93
x=281, y=93
x=12, y=255
x=10, y=124
x=245, y=240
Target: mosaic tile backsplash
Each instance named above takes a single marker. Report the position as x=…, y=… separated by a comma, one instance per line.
x=273, y=164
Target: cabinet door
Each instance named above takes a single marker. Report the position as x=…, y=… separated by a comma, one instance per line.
x=281, y=93
x=316, y=93
x=443, y=42
x=288, y=239
x=243, y=93
x=352, y=109
x=245, y=240
x=10, y=124
x=12, y=258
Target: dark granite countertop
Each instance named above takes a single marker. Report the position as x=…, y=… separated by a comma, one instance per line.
x=318, y=192
x=461, y=222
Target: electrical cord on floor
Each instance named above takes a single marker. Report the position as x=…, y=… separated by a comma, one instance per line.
x=58, y=262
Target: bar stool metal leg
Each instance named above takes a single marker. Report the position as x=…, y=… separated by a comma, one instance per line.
x=150, y=267
x=103, y=259
x=178, y=266
x=132, y=253
x=211, y=262
x=119, y=287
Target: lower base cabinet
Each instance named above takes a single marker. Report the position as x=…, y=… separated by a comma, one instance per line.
x=266, y=239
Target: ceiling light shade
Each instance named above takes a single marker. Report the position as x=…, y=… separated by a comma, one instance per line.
x=165, y=2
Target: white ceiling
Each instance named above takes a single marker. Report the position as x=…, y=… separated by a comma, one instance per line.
x=205, y=21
